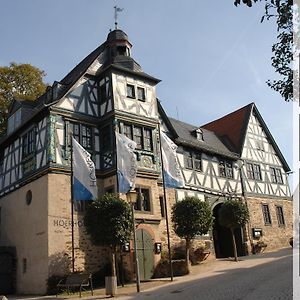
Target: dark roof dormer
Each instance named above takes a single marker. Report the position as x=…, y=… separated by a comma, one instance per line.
x=198, y=134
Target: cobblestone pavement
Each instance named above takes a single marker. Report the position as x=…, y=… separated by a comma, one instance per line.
x=266, y=276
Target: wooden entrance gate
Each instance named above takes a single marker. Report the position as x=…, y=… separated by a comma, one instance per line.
x=7, y=270
x=145, y=253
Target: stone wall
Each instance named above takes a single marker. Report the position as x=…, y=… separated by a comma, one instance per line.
x=24, y=226
x=87, y=256
x=274, y=235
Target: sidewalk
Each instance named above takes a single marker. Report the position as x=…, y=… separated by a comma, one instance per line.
x=205, y=269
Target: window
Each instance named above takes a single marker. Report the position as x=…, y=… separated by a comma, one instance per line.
x=148, y=139
x=188, y=159
x=107, y=157
x=257, y=173
x=28, y=143
x=104, y=90
x=138, y=137
x=24, y=265
x=143, y=200
x=276, y=176
x=141, y=93
x=109, y=190
x=197, y=161
x=122, y=50
x=141, y=135
x=266, y=214
x=83, y=135
x=199, y=134
x=253, y=171
x=192, y=160
x=127, y=130
x=28, y=197
x=260, y=145
x=14, y=121
x=130, y=91
x=162, y=207
x=80, y=205
x=28, y=151
x=280, y=217
x=225, y=169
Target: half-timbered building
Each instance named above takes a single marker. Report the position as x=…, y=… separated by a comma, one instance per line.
x=232, y=157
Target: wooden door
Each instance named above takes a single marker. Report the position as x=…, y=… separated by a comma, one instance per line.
x=145, y=252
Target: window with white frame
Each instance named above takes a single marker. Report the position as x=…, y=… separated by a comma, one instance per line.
x=83, y=135
x=193, y=160
x=276, y=175
x=225, y=169
x=253, y=171
x=143, y=202
x=141, y=135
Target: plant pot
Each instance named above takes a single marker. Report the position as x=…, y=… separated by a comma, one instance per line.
x=110, y=285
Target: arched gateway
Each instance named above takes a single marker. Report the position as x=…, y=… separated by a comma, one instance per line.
x=222, y=238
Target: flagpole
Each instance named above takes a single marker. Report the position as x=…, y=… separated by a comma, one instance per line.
x=117, y=177
x=166, y=207
x=129, y=194
x=72, y=206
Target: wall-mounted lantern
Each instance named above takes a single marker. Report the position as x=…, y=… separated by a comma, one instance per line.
x=157, y=248
x=126, y=247
x=256, y=233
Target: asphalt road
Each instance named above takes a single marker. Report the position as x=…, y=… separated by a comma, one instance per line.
x=270, y=280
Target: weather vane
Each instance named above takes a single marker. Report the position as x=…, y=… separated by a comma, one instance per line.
x=117, y=10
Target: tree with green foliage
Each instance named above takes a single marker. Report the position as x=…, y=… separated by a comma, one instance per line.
x=233, y=214
x=282, y=57
x=21, y=81
x=108, y=221
x=191, y=217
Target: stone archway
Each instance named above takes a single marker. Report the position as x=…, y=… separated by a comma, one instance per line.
x=222, y=238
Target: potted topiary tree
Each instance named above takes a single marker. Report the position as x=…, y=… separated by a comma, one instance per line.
x=191, y=217
x=108, y=221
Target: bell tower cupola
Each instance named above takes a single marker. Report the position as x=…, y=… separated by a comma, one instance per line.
x=118, y=43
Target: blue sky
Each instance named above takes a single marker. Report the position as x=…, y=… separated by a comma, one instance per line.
x=212, y=57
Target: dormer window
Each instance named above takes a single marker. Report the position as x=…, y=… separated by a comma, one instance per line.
x=199, y=134
x=14, y=121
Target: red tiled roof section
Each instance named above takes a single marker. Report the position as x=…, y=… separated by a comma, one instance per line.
x=232, y=126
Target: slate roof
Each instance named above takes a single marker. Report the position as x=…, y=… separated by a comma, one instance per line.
x=210, y=143
x=117, y=34
x=119, y=62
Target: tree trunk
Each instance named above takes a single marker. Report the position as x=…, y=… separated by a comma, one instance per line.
x=113, y=261
x=234, y=244
x=187, y=254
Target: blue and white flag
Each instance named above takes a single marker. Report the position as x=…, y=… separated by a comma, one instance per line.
x=172, y=173
x=84, y=178
x=126, y=163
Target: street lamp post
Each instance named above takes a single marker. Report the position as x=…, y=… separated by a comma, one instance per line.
x=132, y=195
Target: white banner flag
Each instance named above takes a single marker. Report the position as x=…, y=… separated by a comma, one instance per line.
x=84, y=178
x=126, y=162
x=172, y=173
